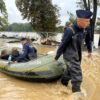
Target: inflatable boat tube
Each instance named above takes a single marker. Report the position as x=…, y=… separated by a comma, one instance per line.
x=40, y=69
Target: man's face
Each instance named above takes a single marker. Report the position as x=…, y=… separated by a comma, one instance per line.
x=82, y=22
x=23, y=42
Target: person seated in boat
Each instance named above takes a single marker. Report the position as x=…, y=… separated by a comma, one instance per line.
x=4, y=54
x=15, y=54
x=29, y=52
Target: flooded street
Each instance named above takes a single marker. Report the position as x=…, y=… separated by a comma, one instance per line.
x=14, y=89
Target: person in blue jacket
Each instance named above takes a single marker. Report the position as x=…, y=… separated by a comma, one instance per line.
x=29, y=52
x=71, y=48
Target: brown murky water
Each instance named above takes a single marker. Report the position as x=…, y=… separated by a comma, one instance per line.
x=14, y=89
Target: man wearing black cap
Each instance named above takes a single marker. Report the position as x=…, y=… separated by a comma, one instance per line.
x=70, y=47
x=29, y=52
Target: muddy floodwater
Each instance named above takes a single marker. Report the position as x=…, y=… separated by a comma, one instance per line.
x=14, y=89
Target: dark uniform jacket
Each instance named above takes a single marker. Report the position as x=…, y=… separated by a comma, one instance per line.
x=72, y=42
x=29, y=53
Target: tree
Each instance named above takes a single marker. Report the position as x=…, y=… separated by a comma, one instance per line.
x=42, y=14
x=72, y=17
x=98, y=25
x=88, y=5
x=3, y=15
x=71, y=20
x=60, y=29
x=19, y=27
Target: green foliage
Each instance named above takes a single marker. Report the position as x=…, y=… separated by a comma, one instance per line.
x=26, y=27
x=72, y=17
x=42, y=14
x=16, y=27
x=3, y=15
x=60, y=29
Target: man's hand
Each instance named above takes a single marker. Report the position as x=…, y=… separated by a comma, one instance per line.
x=89, y=55
x=54, y=60
x=16, y=62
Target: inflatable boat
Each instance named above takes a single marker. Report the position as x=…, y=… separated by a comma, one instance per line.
x=40, y=69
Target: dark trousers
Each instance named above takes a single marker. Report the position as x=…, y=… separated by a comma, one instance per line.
x=73, y=72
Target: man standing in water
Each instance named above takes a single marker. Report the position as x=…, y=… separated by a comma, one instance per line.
x=70, y=47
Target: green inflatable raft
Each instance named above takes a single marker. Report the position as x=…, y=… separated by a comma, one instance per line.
x=40, y=69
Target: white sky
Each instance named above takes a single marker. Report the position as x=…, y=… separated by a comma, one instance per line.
x=66, y=5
